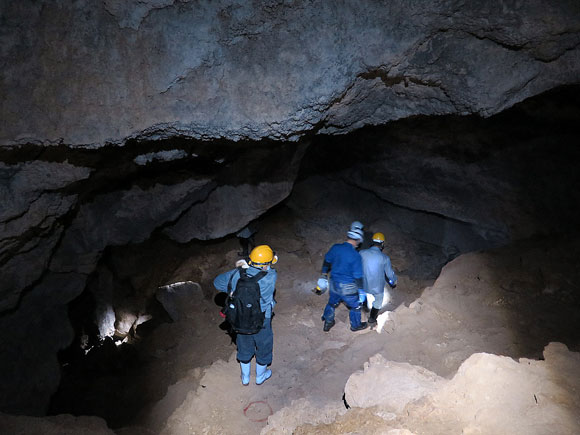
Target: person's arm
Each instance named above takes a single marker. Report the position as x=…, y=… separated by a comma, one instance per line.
x=222, y=280
x=390, y=273
x=357, y=272
x=328, y=259
x=358, y=279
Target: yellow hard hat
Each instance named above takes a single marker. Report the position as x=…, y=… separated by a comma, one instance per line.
x=262, y=255
x=379, y=237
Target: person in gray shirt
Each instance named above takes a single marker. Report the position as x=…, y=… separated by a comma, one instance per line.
x=377, y=271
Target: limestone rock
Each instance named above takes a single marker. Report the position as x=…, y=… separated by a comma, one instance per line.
x=301, y=412
x=179, y=299
x=389, y=384
x=489, y=394
x=500, y=395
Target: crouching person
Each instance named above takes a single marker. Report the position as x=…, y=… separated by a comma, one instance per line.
x=248, y=309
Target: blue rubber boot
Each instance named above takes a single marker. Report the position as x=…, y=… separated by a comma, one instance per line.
x=245, y=372
x=263, y=373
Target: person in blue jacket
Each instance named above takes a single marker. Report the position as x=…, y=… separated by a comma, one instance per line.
x=346, y=279
x=377, y=272
x=260, y=344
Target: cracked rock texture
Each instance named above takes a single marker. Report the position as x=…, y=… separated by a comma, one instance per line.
x=29, y=220
x=89, y=72
x=58, y=218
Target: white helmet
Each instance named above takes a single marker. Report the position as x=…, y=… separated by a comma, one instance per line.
x=355, y=234
x=356, y=225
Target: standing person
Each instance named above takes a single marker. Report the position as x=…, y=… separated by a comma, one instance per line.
x=345, y=266
x=259, y=344
x=377, y=270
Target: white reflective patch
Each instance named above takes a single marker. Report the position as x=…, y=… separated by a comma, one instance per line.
x=381, y=320
x=164, y=156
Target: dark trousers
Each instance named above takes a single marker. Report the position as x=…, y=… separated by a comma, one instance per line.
x=351, y=301
x=260, y=344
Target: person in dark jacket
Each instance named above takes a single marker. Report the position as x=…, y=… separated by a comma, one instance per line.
x=344, y=264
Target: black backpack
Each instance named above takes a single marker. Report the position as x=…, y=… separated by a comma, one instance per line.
x=243, y=311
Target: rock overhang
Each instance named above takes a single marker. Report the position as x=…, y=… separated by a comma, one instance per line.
x=97, y=73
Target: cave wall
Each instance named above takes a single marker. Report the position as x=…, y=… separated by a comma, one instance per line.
x=62, y=209
x=487, y=182
x=94, y=72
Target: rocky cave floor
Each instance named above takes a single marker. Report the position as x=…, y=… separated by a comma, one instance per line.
x=182, y=377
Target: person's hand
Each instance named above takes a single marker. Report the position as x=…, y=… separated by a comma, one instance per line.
x=321, y=285
x=392, y=283
x=242, y=263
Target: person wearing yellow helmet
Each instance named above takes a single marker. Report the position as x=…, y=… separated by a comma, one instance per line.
x=377, y=272
x=258, y=344
x=262, y=256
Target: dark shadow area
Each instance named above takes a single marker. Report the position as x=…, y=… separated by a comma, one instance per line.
x=487, y=181
x=119, y=377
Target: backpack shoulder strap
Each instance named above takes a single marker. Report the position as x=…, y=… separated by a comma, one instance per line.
x=257, y=277
x=240, y=271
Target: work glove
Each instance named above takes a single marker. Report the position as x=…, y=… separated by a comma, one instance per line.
x=242, y=263
x=392, y=283
x=321, y=285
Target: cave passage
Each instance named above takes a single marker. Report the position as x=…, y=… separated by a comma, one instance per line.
x=437, y=187
x=138, y=138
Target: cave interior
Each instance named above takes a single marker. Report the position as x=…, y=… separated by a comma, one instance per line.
x=108, y=249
